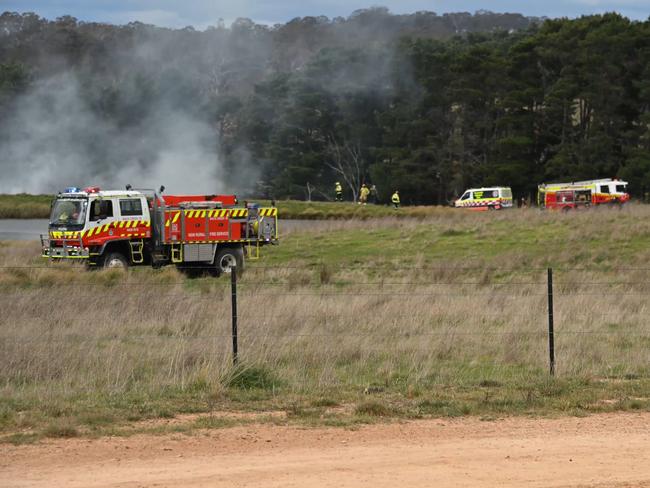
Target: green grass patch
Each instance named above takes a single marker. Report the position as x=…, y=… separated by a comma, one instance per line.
x=251, y=378
x=61, y=429
x=324, y=402
x=24, y=206
x=537, y=396
x=373, y=408
x=21, y=438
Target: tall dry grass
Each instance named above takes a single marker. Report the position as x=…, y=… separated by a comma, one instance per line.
x=74, y=331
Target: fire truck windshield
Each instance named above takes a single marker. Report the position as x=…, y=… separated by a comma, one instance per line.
x=69, y=213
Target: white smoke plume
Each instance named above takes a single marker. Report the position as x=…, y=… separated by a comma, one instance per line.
x=55, y=140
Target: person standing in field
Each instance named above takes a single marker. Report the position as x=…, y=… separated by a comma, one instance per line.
x=395, y=199
x=363, y=194
x=373, y=194
x=338, y=192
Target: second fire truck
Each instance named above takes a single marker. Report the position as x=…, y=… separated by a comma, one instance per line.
x=580, y=194
x=143, y=227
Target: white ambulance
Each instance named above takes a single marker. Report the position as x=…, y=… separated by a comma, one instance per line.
x=491, y=198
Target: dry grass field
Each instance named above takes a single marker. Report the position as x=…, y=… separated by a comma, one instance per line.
x=343, y=322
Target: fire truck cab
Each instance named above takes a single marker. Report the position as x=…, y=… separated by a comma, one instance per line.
x=141, y=227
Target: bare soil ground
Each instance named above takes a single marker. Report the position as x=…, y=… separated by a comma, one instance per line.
x=607, y=450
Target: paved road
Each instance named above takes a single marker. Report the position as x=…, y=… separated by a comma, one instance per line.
x=22, y=229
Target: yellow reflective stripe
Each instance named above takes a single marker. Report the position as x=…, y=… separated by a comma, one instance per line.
x=106, y=227
x=122, y=224
x=268, y=212
x=178, y=214
x=239, y=212
x=167, y=223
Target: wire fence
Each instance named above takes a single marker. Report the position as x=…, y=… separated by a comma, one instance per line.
x=559, y=319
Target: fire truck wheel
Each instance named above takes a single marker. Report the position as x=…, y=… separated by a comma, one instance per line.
x=226, y=258
x=115, y=260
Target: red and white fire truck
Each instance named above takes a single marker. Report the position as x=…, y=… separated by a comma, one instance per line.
x=582, y=194
x=143, y=227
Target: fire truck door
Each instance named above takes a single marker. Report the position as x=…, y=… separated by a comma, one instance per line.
x=101, y=212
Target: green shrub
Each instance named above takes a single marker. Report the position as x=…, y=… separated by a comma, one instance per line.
x=251, y=378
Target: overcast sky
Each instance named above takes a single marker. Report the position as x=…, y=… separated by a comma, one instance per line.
x=202, y=13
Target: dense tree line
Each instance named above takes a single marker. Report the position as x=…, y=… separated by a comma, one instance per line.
x=424, y=103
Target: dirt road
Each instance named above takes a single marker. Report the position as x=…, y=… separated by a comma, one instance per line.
x=598, y=451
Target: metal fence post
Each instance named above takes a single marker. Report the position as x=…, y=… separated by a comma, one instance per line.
x=551, y=337
x=233, y=302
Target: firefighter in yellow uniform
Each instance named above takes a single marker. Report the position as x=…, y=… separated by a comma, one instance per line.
x=363, y=194
x=338, y=192
x=395, y=199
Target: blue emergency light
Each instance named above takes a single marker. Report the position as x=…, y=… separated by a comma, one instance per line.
x=71, y=189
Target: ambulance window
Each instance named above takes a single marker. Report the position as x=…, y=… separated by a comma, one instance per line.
x=506, y=193
x=465, y=196
x=130, y=207
x=621, y=189
x=490, y=193
x=101, y=209
x=604, y=188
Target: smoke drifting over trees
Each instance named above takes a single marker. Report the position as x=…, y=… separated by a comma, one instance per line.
x=430, y=103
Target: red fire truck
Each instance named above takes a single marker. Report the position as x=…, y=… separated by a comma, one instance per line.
x=143, y=227
x=582, y=194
